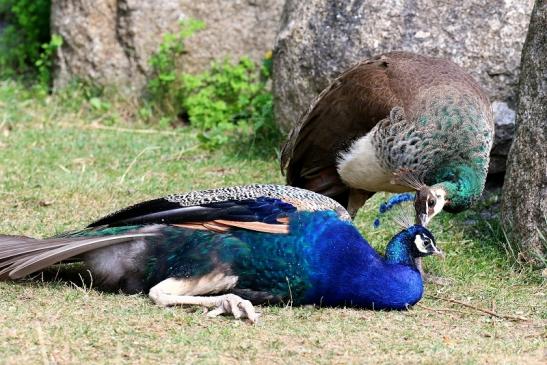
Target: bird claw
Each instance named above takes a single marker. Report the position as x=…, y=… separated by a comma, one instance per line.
x=235, y=305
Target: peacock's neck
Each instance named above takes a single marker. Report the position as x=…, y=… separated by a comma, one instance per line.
x=394, y=283
x=398, y=250
x=463, y=185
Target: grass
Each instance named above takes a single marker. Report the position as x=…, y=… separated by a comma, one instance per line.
x=64, y=164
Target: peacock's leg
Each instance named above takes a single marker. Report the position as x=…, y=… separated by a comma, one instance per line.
x=420, y=266
x=174, y=291
x=357, y=199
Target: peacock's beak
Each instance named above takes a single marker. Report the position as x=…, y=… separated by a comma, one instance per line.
x=437, y=252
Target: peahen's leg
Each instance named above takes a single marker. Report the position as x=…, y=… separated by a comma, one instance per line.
x=174, y=291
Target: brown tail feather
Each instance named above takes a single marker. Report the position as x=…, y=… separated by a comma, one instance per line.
x=7, y=252
x=21, y=256
x=8, y=264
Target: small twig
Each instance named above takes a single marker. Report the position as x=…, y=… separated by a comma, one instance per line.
x=122, y=178
x=90, y=279
x=442, y=309
x=487, y=311
x=290, y=293
x=64, y=168
x=41, y=342
x=179, y=154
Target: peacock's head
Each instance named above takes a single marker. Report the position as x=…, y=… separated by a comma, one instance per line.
x=409, y=244
x=429, y=201
x=423, y=243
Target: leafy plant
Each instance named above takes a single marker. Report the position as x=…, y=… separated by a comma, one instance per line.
x=22, y=40
x=162, y=84
x=44, y=63
x=229, y=102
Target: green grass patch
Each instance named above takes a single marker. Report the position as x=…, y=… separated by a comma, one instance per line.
x=65, y=162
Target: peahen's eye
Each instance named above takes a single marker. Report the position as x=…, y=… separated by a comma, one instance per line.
x=431, y=202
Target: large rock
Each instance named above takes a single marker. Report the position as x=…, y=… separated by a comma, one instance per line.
x=320, y=38
x=524, y=202
x=110, y=41
x=504, y=127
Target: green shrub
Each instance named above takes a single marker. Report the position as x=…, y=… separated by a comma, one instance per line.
x=22, y=39
x=230, y=102
x=163, y=82
x=44, y=63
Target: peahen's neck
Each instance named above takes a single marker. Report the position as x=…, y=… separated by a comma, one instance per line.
x=463, y=185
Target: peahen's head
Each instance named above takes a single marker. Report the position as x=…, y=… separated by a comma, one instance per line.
x=455, y=188
x=429, y=201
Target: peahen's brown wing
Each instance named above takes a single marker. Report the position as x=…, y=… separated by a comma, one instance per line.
x=349, y=108
x=352, y=105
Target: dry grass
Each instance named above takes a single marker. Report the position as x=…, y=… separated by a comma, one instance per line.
x=58, y=172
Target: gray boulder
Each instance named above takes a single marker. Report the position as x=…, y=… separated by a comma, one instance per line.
x=524, y=201
x=111, y=41
x=320, y=38
x=504, y=128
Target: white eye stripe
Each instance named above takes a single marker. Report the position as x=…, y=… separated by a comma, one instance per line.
x=420, y=244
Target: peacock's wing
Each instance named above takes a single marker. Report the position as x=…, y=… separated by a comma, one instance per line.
x=257, y=207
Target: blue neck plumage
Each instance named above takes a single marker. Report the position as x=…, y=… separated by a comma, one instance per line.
x=345, y=270
x=398, y=250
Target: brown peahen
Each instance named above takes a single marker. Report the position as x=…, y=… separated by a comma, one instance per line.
x=395, y=122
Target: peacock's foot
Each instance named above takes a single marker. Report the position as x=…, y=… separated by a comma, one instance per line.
x=182, y=291
x=438, y=280
x=221, y=304
x=235, y=305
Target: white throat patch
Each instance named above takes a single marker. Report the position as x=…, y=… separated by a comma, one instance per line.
x=420, y=244
x=360, y=169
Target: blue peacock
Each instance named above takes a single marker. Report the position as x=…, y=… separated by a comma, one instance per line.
x=229, y=248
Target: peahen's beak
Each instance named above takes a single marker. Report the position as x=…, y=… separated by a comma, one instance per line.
x=423, y=219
